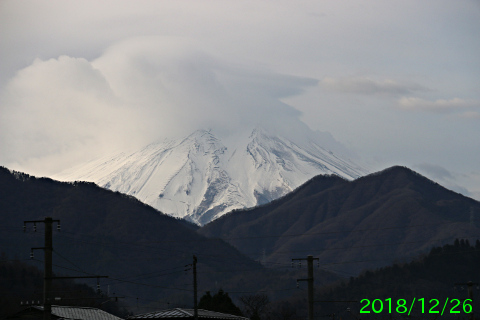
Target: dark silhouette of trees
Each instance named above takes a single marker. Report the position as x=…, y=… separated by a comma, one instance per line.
x=255, y=305
x=431, y=276
x=21, y=282
x=220, y=302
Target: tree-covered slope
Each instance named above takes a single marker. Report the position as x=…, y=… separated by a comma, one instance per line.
x=141, y=250
x=353, y=225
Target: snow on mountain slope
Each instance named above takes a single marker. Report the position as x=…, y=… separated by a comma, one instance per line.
x=199, y=178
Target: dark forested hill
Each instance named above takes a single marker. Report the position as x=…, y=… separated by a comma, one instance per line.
x=143, y=251
x=369, y=222
x=443, y=273
x=21, y=284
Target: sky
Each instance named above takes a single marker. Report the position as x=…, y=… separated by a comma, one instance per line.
x=397, y=82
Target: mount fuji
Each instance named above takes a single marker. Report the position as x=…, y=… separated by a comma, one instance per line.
x=204, y=175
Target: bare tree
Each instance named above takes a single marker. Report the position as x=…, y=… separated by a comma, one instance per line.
x=255, y=305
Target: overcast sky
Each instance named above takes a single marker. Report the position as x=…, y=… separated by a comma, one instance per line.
x=398, y=82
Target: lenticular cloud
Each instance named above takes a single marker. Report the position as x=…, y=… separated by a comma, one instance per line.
x=66, y=110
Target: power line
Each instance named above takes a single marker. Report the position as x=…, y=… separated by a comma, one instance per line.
x=73, y=264
x=222, y=257
x=118, y=279
x=204, y=238
x=145, y=244
x=150, y=285
x=139, y=276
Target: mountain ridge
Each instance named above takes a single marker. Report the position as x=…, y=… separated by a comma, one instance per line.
x=143, y=251
x=404, y=211
x=200, y=177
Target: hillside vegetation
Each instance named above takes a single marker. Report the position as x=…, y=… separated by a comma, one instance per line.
x=370, y=222
x=142, y=251
x=442, y=273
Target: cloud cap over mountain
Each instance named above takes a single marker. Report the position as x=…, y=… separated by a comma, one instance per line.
x=139, y=90
x=398, y=80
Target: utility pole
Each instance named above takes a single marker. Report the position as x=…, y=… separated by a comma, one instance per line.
x=47, y=287
x=309, y=280
x=48, y=248
x=195, y=306
x=48, y=273
x=470, y=285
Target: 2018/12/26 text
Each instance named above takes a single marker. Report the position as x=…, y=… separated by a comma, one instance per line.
x=432, y=306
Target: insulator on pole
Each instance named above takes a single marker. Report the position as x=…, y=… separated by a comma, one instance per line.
x=59, y=227
x=31, y=254
x=34, y=227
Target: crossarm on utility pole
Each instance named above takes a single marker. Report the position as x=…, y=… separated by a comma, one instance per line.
x=48, y=248
x=470, y=285
x=309, y=259
x=195, y=306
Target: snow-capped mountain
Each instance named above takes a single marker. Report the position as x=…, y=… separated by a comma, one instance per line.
x=201, y=177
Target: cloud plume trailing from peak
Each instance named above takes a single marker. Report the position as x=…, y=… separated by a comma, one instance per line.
x=444, y=177
x=367, y=86
x=441, y=105
x=137, y=91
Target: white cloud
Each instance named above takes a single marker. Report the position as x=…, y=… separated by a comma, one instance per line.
x=139, y=90
x=393, y=49
x=59, y=107
x=450, y=180
x=178, y=86
x=452, y=105
x=367, y=86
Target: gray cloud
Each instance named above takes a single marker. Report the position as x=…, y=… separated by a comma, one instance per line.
x=396, y=49
x=366, y=86
x=139, y=90
x=441, y=105
x=444, y=177
x=470, y=115
x=435, y=171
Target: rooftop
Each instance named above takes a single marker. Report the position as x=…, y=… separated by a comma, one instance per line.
x=67, y=313
x=186, y=313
